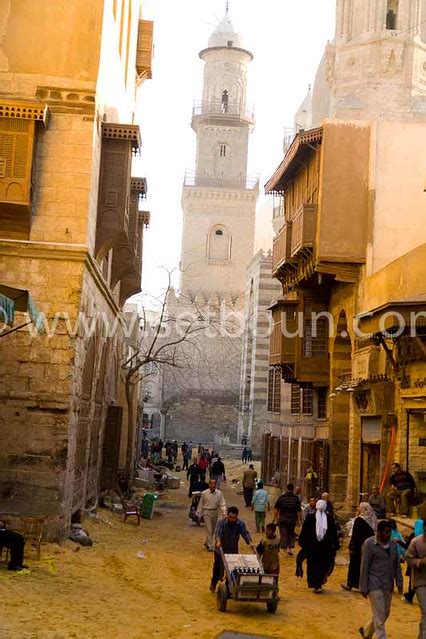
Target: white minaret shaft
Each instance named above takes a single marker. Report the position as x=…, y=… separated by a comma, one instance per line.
x=219, y=198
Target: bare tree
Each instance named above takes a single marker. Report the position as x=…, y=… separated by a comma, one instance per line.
x=161, y=343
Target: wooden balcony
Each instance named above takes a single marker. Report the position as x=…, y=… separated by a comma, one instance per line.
x=314, y=370
x=281, y=252
x=283, y=343
x=119, y=141
x=19, y=122
x=301, y=357
x=303, y=230
x=131, y=281
x=144, y=50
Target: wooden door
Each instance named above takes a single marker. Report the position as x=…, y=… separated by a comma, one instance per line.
x=111, y=447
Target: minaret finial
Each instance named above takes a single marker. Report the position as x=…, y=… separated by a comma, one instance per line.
x=227, y=7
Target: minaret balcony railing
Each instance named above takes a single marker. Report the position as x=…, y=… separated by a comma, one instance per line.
x=224, y=181
x=225, y=109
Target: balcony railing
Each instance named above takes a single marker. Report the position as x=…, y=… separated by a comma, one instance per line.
x=225, y=181
x=281, y=252
x=216, y=107
x=303, y=229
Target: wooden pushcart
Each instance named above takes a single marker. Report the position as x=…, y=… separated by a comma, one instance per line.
x=245, y=580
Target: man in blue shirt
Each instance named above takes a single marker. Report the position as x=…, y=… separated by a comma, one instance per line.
x=227, y=535
x=259, y=504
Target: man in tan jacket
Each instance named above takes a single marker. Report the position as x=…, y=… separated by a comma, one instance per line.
x=211, y=505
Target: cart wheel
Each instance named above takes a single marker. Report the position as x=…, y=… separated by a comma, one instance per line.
x=222, y=597
x=272, y=605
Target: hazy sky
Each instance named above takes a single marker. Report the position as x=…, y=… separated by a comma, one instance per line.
x=287, y=38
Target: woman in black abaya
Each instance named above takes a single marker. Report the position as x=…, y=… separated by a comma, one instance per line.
x=319, y=540
x=365, y=526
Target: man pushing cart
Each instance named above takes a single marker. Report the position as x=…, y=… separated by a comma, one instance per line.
x=245, y=579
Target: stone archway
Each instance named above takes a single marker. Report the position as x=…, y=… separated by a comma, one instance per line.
x=341, y=370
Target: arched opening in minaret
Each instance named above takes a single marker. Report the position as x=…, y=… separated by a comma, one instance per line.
x=219, y=244
x=225, y=101
x=392, y=14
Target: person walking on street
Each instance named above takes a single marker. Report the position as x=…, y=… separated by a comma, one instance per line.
x=259, y=504
x=319, y=541
x=377, y=502
x=380, y=569
x=402, y=489
x=218, y=471
x=203, y=465
x=227, y=536
x=193, y=474
x=212, y=504
x=269, y=550
x=287, y=514
x=416, y=560
x=310, y=509
x=249, y=455
x=249, y=483
x=330, y=508
x=187, y=457
x=365, y=526
x=244, y=455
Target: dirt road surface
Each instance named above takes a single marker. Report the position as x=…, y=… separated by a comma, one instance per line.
x=108, y=591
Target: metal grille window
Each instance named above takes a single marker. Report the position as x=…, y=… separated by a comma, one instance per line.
x=322, y=403
x=307, y=401
x=274, y=391
x=295, y=399
x=315, y=346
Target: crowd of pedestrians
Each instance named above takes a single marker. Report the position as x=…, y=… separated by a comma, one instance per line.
x=376, y=548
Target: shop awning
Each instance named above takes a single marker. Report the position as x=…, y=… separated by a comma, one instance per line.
x=395, y=314
x=16, y=299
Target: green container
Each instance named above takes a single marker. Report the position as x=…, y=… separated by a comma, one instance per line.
x=147, y=506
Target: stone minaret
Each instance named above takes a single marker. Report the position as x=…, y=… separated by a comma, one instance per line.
x=376, y=65
x=200, y=401
x=219, y=198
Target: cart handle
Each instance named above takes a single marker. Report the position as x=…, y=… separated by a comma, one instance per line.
x=225, y=565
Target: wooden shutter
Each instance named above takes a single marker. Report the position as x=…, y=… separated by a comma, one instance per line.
x=144, y=50
x=16, y=157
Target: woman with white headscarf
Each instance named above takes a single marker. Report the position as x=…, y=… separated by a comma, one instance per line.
x=365, y=526
x=319, y=540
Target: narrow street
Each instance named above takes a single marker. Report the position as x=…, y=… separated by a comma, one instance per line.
x=107, y=590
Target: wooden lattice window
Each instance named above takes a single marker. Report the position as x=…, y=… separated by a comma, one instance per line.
x=315, y=345
x=145, y=48
x=295, y=399
x=307, y=401
x=16, y=158
x=277, y=391
x=322, y=402
x=274, y=391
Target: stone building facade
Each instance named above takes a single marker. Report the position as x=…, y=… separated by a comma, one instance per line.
x=376, y=64
x=218, y=201
x=70, y=244
x=350, y=248
x=254, y=409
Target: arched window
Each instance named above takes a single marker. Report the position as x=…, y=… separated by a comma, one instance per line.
x=219, y=244
x=225, y=101
x=392, y=15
